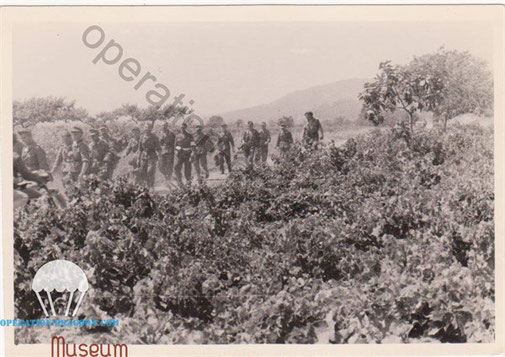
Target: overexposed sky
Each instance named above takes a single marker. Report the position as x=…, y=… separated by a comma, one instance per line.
x=222, y=66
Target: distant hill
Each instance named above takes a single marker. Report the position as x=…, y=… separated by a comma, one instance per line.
x=327, y=101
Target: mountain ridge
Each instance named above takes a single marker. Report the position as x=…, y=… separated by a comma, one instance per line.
x=327, y=101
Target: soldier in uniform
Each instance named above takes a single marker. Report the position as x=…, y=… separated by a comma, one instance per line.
x=311, y=130
x=100, y=155
x=202, y=146
x=17, y=146
x=284, y=140
x=264, y=141
x=21, y=172
x=225, y=146
x=183, y=148
x=64, y=158
x=149, y=147
x=33, y=156
x=166, y=163
x=132, y=148
x=133, y=143
x=115, y=147
x=80, y=156
x=250, y=143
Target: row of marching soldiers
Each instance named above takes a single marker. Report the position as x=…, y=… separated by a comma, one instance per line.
x=75, y=157
x=174, y=154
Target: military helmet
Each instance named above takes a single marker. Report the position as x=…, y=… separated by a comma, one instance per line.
x=76, y=129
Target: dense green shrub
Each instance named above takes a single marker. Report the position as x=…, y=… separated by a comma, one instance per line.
x=372, y=241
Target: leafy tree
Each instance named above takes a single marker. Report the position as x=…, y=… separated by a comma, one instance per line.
x=215, y=121
x=396, y=87
x=289, y=121
x=49, y=109
x=154, y=113
x=104, y=117
x=131, y=111
x=467, y=83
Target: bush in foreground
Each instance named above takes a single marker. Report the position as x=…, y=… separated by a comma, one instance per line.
x=369, y=242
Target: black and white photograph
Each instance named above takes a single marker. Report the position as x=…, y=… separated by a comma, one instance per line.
x=197, y=180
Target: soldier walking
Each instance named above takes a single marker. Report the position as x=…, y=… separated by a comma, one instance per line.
x=183, y=148
x=311, y=130
x=133, y=142
x=225, y=146
x=114, y=144
x=264, y=141
x=114, y=149
x=203, y=145
x=64, y=158
x=101, y=157
x=80, y=156
x=132, y=148
x=167, y=142
x=250, y=143
x=149, y=147
x=33, y=156
x=284, y=140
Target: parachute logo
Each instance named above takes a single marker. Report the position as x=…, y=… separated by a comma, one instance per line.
x=60, y=275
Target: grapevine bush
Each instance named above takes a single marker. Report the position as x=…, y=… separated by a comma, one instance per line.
x=375, y=241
